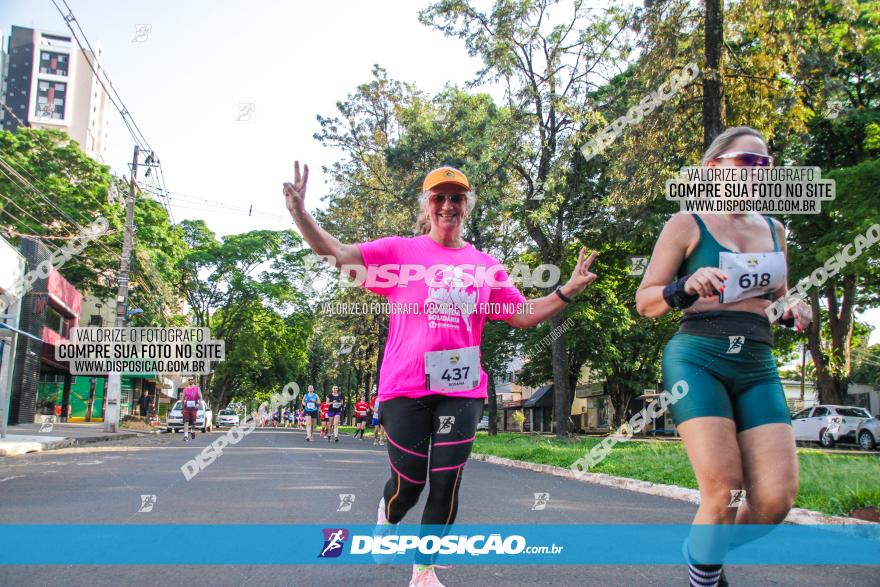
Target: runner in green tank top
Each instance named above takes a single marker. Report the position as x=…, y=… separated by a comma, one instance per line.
x=723, y=271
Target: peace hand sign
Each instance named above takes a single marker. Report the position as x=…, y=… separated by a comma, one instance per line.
x=295, y=193
x=581, y=277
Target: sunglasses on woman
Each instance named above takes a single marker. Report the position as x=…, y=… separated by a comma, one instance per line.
x=747, y=159
x=439, y=199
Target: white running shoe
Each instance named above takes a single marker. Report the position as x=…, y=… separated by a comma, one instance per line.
x=426, y=576
x=383, y=528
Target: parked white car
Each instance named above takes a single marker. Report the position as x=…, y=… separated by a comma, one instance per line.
x=204, y=418
x=227, y=417
x=828, y=425
x=483, y=424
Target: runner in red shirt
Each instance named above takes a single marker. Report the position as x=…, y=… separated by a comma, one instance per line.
x=325, y=405
x=360, y=416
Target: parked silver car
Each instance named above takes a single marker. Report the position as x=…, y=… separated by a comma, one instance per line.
x=227, y=417
x=868, y=434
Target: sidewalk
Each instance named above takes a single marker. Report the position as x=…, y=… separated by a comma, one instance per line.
x=795, y=516
x=25, y=438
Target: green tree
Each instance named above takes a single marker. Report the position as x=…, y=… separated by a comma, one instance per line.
x=817, y=238
x=866, y=369
x=248, y=289
x=50, y=189
x=547, y=68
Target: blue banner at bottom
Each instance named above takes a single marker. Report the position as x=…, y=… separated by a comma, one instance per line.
x=560, y=544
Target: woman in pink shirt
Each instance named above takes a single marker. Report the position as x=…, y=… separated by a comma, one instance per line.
x=432, y=386
x=192, y=396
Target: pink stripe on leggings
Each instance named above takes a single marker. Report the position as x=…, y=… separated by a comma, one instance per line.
x=418, y=454
x=404, y=476
x=448, y=468
x=455, y=441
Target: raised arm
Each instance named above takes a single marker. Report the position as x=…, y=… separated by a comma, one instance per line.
x=535, y=311
x=321, y=241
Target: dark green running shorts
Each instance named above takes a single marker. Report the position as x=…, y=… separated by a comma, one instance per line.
x=742, y=386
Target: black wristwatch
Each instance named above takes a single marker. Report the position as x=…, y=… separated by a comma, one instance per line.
x=562, y=296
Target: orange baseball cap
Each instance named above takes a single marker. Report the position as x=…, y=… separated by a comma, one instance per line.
x=443, y=175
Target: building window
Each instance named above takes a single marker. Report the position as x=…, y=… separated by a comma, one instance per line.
x=54, y=320
x=504, y=378
x=53, y=63
x=96, y=320
x=56, y=40
x=57, y=322
x=50, y=99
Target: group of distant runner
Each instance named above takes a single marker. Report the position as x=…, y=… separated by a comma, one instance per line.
x=329, y=413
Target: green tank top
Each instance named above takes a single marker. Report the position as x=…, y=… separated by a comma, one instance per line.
x=706, y=253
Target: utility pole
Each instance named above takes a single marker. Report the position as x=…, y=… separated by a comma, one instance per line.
x=114, y=379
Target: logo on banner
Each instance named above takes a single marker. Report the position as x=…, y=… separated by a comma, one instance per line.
x=334, y=540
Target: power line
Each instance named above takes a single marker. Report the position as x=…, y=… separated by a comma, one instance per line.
x=12, y=114
x=11, y=201
x=164, y=189
x=146, y=277
x=114, y=97
x=15, y=218
x=5, y=165
x=36, y=191
x=245, y=210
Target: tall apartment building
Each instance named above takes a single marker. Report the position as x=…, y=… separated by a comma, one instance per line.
x=49, y=84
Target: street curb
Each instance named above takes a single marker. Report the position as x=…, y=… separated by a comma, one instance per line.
x=24, y=448
x=35, y=447
x=795, y=516
x=94, y=439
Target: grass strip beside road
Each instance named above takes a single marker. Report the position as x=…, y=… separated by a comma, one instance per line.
x=830, y=483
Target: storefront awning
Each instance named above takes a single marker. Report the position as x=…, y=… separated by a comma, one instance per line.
x=167, y=387
x=543, y=398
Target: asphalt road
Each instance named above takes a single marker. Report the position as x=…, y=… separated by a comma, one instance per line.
x=275, y=477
